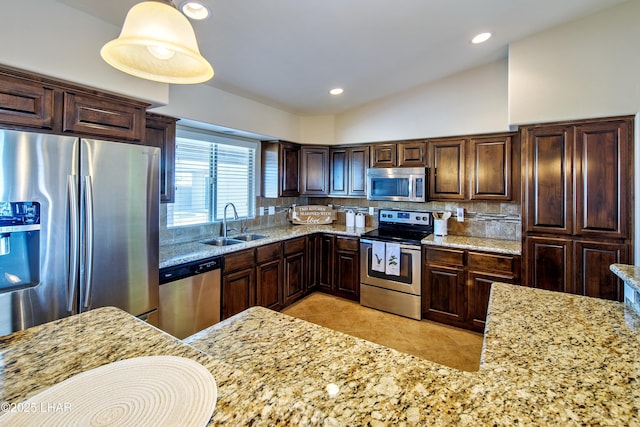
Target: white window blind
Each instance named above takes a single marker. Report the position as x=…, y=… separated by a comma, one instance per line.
x=211, y=171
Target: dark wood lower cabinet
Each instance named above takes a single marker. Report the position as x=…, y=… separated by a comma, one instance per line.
x=295, y=271
x=443, y=300
x=456, y=284
x=338, y=267
x=269, y=276
x=238, y=292
x=347, y=267
x=575, y=266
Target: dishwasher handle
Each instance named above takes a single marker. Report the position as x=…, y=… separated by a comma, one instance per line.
x=180, y=271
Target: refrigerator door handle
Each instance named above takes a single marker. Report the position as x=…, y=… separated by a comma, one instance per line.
x=74, y=250
x=88, y=262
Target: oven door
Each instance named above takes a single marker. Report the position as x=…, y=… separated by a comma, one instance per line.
x=409, y=280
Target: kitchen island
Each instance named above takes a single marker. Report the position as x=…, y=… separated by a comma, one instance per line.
x=548, y=358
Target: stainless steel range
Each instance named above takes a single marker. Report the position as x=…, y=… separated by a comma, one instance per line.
x=390, y=262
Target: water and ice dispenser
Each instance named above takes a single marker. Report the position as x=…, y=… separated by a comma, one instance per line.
x=19, y=245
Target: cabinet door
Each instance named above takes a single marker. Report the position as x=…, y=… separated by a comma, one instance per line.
x=160, y=132
x=269, y=284
x=478, y=292
x=447, y=175
x=339, y=170
x=602, y=167
x=549, y=186
x=347, y=267
x=490, y=166
x=443, y=294
x=102, y=117
x=593, y=276
x=294, y=275
x=238, y=292
x=548, y=264
x=313, y=262
x=26, y=103
x=289, y=170
x=325, y=262
x=314, y=171
x=412, y=154
x=358, y=159
x=383, y=155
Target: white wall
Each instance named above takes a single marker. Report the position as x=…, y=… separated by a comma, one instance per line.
x=474, y=101
x=318, y=129
x=207, y=104
x=588, y=68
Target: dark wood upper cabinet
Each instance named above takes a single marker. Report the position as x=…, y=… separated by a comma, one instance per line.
x=91, y=115
x=412, y=154
x=490, y=168
x=160, y=131
x=383, y=155
x=26, y=103
x=314, y=171
x=602, y=165
x=30, y=101
x=447, y=175
x=549, y=183
x=280, y=169
x=348, y=171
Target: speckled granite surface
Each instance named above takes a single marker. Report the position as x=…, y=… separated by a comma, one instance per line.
x=630, y=274
x=548, y=359
x=512, y=247
x=175, y=254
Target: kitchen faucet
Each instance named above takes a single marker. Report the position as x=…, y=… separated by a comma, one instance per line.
x=224, y=218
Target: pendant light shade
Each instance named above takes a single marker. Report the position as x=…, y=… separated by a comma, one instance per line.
x=157, y=43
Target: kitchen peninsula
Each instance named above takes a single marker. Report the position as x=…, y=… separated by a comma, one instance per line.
x=548, y=359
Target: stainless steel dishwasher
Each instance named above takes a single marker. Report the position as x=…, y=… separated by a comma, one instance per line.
x=190, y=296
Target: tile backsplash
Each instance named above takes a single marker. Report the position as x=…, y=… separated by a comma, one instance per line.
x=494, y=220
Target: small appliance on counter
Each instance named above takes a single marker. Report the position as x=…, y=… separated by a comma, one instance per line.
x=391, y=263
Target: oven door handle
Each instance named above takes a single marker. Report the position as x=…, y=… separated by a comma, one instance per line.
x=402, y=246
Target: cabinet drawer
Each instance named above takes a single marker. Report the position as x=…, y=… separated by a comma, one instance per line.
x=491, y=262
x=239, y=260
x=103, y=117
x=268, y=252
x=444, y=256
x=294, y=245
x=347, y=244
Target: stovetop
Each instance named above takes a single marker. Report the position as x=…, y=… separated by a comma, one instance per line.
x=402, y=226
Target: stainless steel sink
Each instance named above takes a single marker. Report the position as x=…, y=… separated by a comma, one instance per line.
x=222, y=241
x=249, y=237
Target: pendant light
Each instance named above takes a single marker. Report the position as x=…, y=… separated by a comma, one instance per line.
x=158, y=43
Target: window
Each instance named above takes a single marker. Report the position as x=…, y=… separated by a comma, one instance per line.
x=211, y=171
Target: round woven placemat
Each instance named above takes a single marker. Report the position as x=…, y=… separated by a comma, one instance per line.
x=143, y=391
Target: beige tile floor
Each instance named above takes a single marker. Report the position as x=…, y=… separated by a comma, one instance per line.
x=433, y=341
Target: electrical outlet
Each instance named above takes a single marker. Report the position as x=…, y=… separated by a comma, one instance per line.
x=372, y=210
x=261, y=211
x=272, y=210
x=460, y=215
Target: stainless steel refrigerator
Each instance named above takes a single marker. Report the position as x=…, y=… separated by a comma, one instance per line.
x=79, y=222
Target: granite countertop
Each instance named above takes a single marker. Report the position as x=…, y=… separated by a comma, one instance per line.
x=548, y=359
x=178, y=253
x=512, y=247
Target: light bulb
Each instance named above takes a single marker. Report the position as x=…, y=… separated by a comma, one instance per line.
x=161, y=52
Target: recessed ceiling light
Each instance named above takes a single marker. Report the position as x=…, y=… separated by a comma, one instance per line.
x=194, y=10
x=336, y=91
x=481, y=38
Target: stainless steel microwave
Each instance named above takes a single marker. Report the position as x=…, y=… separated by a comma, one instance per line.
x=397, y=184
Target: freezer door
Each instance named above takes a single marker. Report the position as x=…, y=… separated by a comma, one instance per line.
x=40, y=169
x=119, y=226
